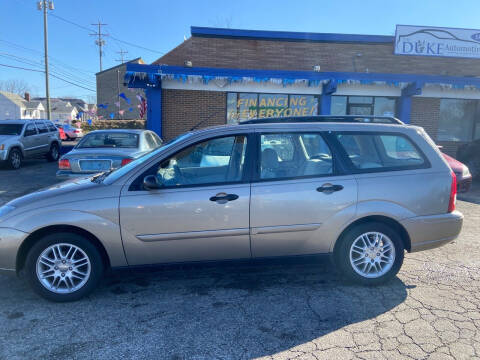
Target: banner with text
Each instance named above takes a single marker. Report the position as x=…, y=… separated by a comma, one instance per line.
x=436, y=41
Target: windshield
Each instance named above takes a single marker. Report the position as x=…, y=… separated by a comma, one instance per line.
x=10, y=129
x=109, y=177
x=109, y=140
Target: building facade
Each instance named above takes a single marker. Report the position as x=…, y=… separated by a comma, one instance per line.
x=114, y=100
x=220, y=76
x=13, y=106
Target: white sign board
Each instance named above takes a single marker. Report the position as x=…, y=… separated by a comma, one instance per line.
x=436, y=41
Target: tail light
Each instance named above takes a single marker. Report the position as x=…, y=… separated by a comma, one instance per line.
x=76, y=131
x=126, y=161
x=453, y=193
x=64, y=164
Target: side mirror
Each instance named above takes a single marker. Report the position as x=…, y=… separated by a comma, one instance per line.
x=150, y=182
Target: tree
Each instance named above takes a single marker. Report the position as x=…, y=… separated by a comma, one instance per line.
x=16, y=86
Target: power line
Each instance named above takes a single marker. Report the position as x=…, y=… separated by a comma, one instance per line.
x=138, y=46
x=65, y=65
x=112, y=37
x=41, y=71
x=80, y=86
x=22, y=68
x=58, y=72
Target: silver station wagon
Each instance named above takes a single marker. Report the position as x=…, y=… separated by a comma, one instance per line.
x=364, y=190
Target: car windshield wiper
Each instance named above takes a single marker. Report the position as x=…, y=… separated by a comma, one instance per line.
x=100, y=177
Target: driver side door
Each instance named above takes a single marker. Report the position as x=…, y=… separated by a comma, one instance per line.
x=200, y=210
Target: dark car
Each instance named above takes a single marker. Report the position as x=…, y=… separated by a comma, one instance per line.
x=469, y=154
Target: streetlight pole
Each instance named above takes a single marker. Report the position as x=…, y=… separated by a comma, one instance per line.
x=43, y=5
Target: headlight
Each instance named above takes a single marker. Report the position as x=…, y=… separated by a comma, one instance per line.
x=5, y=209
x=465, y=171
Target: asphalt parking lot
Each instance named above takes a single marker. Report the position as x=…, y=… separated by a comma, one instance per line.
x=280, y=310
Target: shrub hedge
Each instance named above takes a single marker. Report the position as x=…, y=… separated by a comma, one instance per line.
x=114, y=124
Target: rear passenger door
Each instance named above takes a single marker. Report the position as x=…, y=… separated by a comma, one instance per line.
x=298, y=195
x=43, y=137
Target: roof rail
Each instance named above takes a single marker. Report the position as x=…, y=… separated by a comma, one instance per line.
x=368, y=119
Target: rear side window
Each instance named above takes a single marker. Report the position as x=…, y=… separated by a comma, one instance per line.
x=376, y=151
x=294, y=155
x=42, y=128
x=51, y=127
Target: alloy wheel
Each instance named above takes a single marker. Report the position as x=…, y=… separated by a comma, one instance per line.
x=63, y=268
x=372, y=254
x=15, y=159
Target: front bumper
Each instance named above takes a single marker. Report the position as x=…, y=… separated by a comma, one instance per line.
x=3, y=155
x=10, y=241
x=428, y=232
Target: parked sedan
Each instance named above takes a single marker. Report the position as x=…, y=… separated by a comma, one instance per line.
x=104, y=150
x=72, y=133
x=464, y=178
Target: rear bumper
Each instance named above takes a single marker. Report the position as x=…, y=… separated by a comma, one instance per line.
x=428, y=232
x=10, y=241
x=464, y=184
x=66, y=174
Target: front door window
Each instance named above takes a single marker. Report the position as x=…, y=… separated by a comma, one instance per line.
x=215, y=161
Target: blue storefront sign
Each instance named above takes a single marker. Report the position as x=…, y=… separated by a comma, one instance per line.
x=437, y=41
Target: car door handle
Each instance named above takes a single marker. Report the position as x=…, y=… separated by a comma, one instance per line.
x=329, y=188
x=222, y=198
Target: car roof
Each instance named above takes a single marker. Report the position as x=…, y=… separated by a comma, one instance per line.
x=318, y=126
x=21, y=121
x=130, y=131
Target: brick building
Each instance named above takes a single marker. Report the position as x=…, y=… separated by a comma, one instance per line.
x=220, y=76
x=110, y=85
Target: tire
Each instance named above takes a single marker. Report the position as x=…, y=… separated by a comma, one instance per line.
x=75, y=283
x=54, y=153
x=15, y=159
x=387, y=256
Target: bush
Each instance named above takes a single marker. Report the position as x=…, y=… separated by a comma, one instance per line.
x=114, y=124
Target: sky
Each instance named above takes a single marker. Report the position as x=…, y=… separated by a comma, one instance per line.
x=157, y=26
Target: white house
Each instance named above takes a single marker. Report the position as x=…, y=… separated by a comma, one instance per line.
x=13, y=106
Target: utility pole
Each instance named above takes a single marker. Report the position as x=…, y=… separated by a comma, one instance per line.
x=99, y=42
x=122, y=53
x=42, y=5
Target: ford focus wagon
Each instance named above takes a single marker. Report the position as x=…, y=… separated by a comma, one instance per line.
x=364, y=190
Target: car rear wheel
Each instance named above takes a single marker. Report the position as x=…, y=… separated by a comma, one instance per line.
x=63, y=267
x=369, y=254
x=15, y=159
x=53, y=153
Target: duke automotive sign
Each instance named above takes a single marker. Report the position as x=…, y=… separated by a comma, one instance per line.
x=437, y=41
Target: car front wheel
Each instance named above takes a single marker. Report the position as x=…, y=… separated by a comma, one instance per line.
x=15, y=159
x=63, y=267
x=370, y=254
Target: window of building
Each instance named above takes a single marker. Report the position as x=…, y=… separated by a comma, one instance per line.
x=244, y=106
x=363, y=105
x=459, y=120
x=377, y=151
